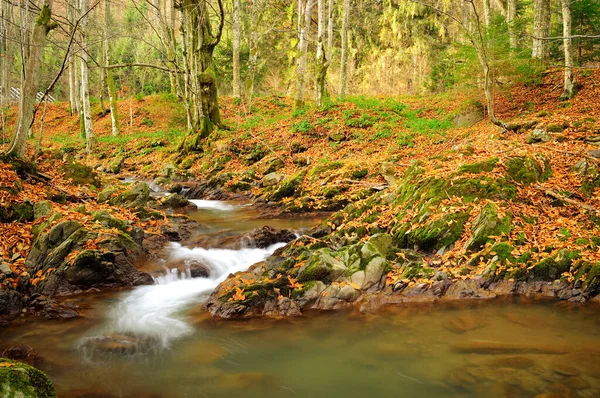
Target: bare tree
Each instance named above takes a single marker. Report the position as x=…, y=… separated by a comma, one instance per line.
x=511, y=16
x=322, y=58
x=86, y=113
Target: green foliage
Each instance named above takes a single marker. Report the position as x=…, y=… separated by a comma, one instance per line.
x=304, y=126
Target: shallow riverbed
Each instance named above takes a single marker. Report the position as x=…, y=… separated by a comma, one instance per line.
x=155, y=341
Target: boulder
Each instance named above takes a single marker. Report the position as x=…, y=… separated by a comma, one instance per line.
x=471, y=114
x=538, y=135
x=80, y=174
x=20, y=212
x=11, y=302
x=68, y=268
x=267, y=236
x=528, y=170
x=175, y=201
x=271, y=179
x=321, y=266
x=137, y=196
x=24, y=381
x=388, y=171
x=106, y=194
x=42, y=209
x=169, y=171
x=274, y=165
x=116, y=165
x=487, y=224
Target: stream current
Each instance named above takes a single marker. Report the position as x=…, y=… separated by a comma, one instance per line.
x=153, y=341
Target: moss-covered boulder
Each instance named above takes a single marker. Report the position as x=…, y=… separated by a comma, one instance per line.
x=528, y=170
x=109, y=221
x=552, y=268
x=321, y=266
x=175, y=201
x=107, y=194
x=20, y=212
x=488, y=224
x=18, y=380
x=479, y=167
x=42, y=209
x=80, y=174
x=274, y=165
x=287, y=188
x=116, y=165
x=64, y=258
x=136, y=197
x=434, y=235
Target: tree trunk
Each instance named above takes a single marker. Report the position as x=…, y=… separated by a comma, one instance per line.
x=569, y=85
x=541, y=29
x=43, y=25
x=4, y=65
x=487, y=13
x=86, y=115
x=322, y=60
x=330, y=22
x=110, y=79
x=344, y=60
x=511, y=16
x=201, y=96
x=236, y=48
x=304, y=33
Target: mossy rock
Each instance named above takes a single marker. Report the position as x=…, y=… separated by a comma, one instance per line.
x=287, y=188
x=20, y=212
x=487, y=224
x=106, y=194
x=109, y=221
x=240, y=186
x=528, y=170
x=80, y=174
x=552, y=268
x=274, y=165
x=42, y=209
x=136, y=197
x=18, y=380
x=321, y=266
x=479, y=167
x=435, y=235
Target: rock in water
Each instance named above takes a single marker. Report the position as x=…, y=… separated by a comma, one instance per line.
x=24, y=381
x=267, y=236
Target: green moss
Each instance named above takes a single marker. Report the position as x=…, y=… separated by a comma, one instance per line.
x=480, y=167
x=437, y=234
x=288, y=187
x=24, y=381
x=527, y=170
x=552, y=268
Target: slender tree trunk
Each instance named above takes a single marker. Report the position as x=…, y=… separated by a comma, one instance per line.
x=344, y=60
x=569, y=86
x=303, y=50
x=330, y=23
x=43, y=25
x=4, y=65
x=322, y=60
x=236, y=48
x=110, y=79
x=252, y=64
x=541, y=29
x=511, y=16
x=86, y=114
x=487, y=13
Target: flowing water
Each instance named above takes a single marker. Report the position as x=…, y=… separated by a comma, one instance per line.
x=154, y=341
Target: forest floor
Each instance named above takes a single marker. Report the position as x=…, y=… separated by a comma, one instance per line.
x=469, y=201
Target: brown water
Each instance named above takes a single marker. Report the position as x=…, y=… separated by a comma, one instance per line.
x=472, y=349
x=426, y=351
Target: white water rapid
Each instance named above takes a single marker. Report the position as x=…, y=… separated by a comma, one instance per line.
x=156, y=310
x=213, y=205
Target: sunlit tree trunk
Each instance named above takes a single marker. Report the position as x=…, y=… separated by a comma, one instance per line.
x=236, y=48
x=541, y=29
x=110, y=79
x=330, y=23
x=4, y=64
x=511, y=16
x=304, y=34
x=487, y=12
x=322, y=60
x=344, y=60
x=42, y=26
x=86, y=114
x=569, y=84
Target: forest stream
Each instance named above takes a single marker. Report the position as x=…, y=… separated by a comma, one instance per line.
x=154, y=342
